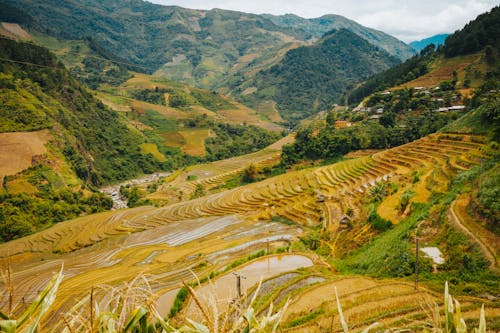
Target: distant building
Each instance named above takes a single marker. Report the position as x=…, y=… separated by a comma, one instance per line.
x=451, y=108
x=441, y=110
x=380, y=110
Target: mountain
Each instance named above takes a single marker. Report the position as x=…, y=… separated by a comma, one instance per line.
x=311, y=78
x=317, y=27
x=198, y=47
x=436, y=40
x=468, y=58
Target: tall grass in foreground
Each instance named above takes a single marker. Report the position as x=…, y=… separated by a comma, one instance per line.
x=131, y=309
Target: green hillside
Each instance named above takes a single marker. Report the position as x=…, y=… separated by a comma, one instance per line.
x=319, y=26
x=451, y=62
x=312, y=78
x=478, y=34
x=197, y=47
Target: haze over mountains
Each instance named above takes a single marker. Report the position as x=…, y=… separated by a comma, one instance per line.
x=436, y=40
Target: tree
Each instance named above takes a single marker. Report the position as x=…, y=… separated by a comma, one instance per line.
x=250, y=174
x=331, y=117
x=387, y=119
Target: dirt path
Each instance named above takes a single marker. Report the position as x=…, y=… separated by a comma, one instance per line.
x=476, y=233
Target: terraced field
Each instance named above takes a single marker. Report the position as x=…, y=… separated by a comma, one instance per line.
x=392, y=304
x=170, y=243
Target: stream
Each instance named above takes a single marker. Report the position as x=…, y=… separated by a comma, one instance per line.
x=114, y=190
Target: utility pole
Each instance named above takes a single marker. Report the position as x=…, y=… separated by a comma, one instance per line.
x=416, y=262
x=238, y=283
x=416, y=254
x=92, y=309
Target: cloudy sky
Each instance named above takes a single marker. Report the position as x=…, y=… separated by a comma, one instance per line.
x=407, y=20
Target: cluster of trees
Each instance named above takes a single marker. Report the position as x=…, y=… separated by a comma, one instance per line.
x=476, y=35
x=22, y=214
x=178, y=98
x=401, y=102
x=328, y=143
x=97, y=71
x=234, y=140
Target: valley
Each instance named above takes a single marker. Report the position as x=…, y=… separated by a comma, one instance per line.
x=167, y=169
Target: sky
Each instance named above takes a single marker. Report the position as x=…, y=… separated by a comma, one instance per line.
x=404, y=19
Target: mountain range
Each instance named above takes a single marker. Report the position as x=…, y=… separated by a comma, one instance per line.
x=197, y=47
x=436, y=40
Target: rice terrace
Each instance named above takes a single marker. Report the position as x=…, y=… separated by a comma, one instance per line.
x=167, y=169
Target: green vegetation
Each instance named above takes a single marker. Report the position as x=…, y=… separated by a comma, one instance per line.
x=317, y=27
x=481, y=34
x=407, y=71
x=476, y=35
x=488, y=198
x=179, y=98
x=329, y=143
x=179, y=301
x=95, y=138
x=391, y=254
x=133, y=195
x=146, y=35
x=378, y=223
x=22, y=214
x=21, y=110
x=311, y=78
x=484, y=119
x=233, y=140
x=97, y=71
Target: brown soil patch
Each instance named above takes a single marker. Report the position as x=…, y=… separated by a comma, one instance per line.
x=141, y=107
x=15, y=29
x=17, y=150
x=244, y=115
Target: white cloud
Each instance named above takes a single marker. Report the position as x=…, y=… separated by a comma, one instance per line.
x=407, y=20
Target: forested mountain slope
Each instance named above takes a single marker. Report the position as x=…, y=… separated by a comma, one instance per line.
x=194, y=46
x=312, y=78
x=319, y=26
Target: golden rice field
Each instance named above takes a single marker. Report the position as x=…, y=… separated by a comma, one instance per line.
x=172, y=243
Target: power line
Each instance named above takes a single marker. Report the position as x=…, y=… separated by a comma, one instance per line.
x=28, y=63
x=74, y=52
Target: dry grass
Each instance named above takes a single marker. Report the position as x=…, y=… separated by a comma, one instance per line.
x=168, y=112
x=244, y=115
x=151, y=148
x=195, y=141
x=16, y=30
x=443, y=70
x=17, y=150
